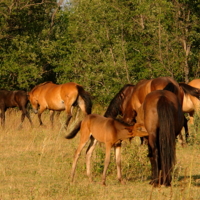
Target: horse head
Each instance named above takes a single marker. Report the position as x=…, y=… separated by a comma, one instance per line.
x=33, y=101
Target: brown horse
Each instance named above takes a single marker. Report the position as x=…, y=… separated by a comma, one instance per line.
x=11, y=99
x=191, y=104
x=138, y=94
x=105, y=130
x=59, y=97
x=162, y=116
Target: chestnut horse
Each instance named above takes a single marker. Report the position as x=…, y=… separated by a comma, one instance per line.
x=191, y=104
x=106, y=130
x=11, y=99
x=138, y=94
x=59, y=97
x=162, y=116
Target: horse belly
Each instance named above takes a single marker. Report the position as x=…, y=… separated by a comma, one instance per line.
x=56, y=105
x=187, y=104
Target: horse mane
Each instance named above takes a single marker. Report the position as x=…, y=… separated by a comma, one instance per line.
x=188, y=89
x=114, y=107
x=41, y=84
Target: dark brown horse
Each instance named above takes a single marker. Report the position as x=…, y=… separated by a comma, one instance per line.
x=59, y=97
x=162, y=116
x=11, y=99
x=138, y=94
x=111, y=132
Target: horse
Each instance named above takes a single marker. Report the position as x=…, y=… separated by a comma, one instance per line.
x=11, y=99
x=109, y=131
x=162, y=117
x=61, y=97
x=138, y=94
x=190, y=103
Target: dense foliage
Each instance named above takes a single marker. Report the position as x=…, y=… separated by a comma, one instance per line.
x=99, y=44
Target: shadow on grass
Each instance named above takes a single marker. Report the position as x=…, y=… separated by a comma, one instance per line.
x=195, y=179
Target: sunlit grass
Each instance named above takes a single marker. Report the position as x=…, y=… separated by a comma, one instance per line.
x=35, y=163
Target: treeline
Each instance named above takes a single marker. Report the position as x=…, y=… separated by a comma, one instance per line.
x=101, y=44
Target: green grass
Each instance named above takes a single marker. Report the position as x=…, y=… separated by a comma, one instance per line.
x=36, y=164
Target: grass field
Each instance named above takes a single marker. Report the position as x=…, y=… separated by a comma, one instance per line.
x=35, y=163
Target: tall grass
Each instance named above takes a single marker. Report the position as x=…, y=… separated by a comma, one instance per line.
x=35, y=163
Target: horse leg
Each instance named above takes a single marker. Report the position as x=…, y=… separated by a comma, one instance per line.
x=89, y=151
x=191, y=116
x=153, y=156
x=106, y=163
x=69, y=116
x=3, y=118
x=186, y=129
x=52, y=114
x=118, y=162
x=39, y=115
x=85, y=135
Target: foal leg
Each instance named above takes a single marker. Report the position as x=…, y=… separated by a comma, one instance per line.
x=89, y=151
x=76, y=156
x=85, y=135
x=118, y=162
x=106, y=163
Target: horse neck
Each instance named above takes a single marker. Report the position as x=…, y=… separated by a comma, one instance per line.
x=123, y=131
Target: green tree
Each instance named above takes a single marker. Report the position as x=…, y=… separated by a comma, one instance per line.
x=25, y=26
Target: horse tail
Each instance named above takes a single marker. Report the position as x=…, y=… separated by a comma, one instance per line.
x=114, y=107
x=167, y=138
x=74, y=132
x=172, y=88
x=188, y=89
x=86, y=98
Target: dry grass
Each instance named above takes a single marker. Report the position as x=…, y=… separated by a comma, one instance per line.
x=36, y=163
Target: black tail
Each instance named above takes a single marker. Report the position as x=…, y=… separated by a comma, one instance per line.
x=166, y=138
x=114, y=107
x=172, y=88
x=190, y=90
x=74, y=132
x=86, y=98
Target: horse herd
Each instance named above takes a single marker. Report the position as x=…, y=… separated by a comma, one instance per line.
x=152, y=109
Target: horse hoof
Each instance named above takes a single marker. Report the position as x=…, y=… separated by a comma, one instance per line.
x=154, y=183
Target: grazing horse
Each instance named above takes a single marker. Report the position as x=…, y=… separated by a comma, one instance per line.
x=162, y=116
x=138, y=94
x=11, y=99
x=105, y=130
x=59, y=97
x=190, y=103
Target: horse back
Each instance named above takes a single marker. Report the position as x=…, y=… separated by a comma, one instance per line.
x=195, y=83
x=155, y=102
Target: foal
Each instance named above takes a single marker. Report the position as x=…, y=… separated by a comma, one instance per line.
x=105, y=130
